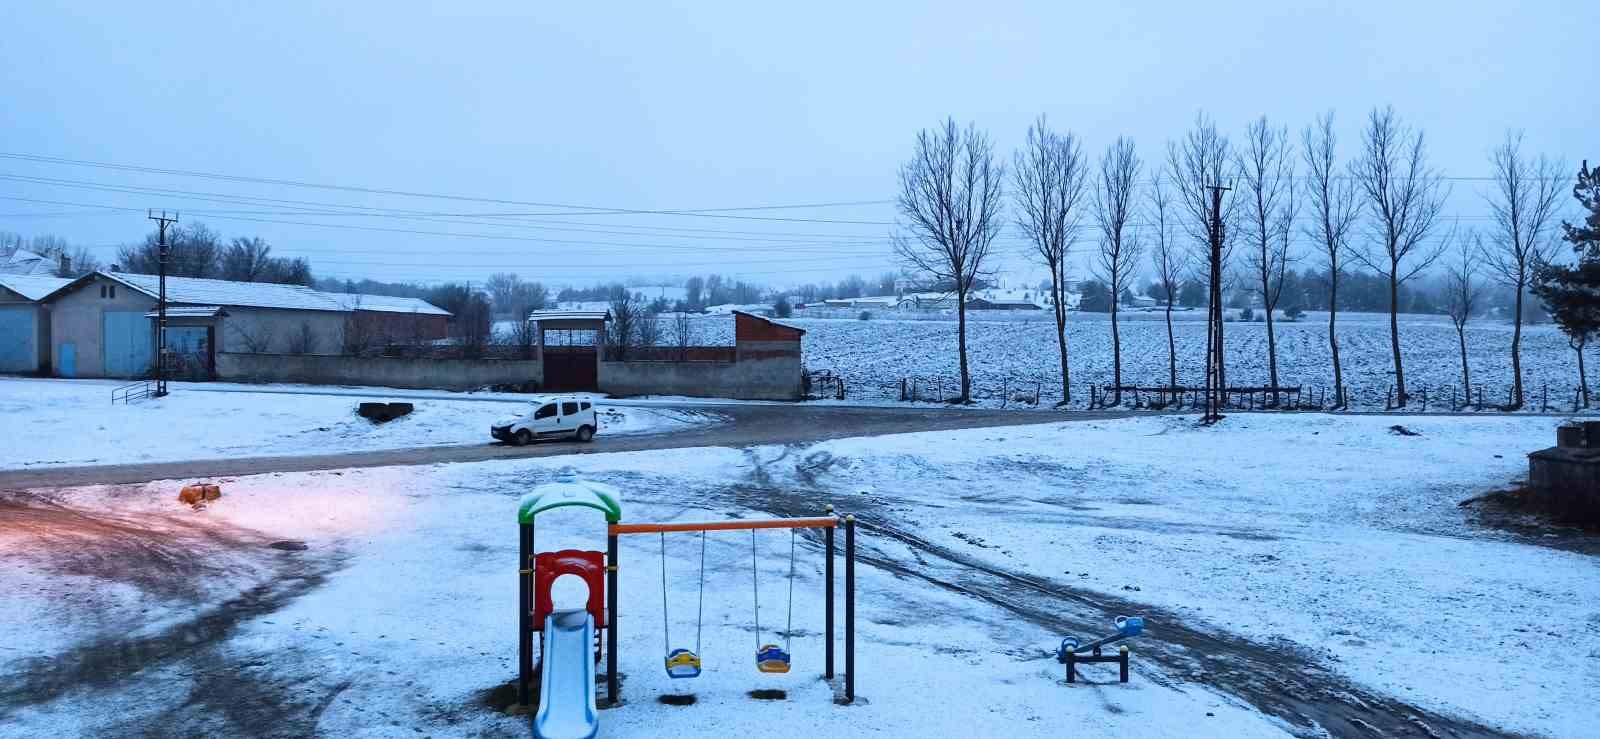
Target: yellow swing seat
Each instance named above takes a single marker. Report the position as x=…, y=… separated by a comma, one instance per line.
x=772, y=658
x=682, y=663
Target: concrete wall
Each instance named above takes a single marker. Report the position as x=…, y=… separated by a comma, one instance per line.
x=279, y=330
x=78, y=318
x=447, y=374
x=754, y=379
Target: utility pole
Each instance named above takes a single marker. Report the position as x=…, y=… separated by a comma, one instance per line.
x=162, y=221
x=1216, y=378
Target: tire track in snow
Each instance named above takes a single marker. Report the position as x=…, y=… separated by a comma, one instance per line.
x=1278, y=681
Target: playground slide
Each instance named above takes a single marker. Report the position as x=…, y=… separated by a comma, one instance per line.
x=566, y=683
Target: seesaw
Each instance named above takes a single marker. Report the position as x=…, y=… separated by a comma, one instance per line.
x=1072, y=653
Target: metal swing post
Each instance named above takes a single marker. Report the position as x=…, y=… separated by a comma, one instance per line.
x=611, y=619
x=525, y=616
x=849, y=609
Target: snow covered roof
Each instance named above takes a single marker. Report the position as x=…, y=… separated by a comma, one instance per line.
x=187, y=311
x=224, y=292
x=770, y=320
x=388, y=304
x=32, y=287
x=24, y=262
x=569, y=315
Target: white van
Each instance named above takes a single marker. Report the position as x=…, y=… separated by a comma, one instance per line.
x=549, y=417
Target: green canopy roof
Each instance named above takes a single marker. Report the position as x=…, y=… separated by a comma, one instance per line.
x=570, y=492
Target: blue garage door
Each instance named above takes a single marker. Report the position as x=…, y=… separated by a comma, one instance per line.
x=127, y=346
x=17, y=339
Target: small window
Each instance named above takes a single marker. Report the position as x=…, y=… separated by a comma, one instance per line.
x=569, y=409
x=548, y=410
x=586, y=406
x=102, y=291
x=112, y=289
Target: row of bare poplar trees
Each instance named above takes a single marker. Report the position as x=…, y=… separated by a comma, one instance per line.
x=1381, y=208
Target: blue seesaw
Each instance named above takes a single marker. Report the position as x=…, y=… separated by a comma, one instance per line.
x=1072, y=652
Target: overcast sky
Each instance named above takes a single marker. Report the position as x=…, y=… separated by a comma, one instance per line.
x=699, y=105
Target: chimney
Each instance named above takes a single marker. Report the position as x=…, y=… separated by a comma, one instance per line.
x=66, y=265
x=114, y=268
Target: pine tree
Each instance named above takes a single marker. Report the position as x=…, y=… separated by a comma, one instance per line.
x=1572, y=294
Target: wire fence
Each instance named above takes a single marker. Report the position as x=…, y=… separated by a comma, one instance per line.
x=1025, y=391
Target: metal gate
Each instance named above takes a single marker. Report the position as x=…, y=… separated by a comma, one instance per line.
x=190, y=351
x=127, y=346
x=17, y=339
x=571, y=368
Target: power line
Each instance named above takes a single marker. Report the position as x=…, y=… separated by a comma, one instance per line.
x=832, y=239
x=406, y=193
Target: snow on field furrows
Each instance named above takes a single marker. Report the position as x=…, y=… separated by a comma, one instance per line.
x=874, y=355
x=1323, y=584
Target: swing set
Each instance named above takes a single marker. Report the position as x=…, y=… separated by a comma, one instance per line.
x=538, y=572
x=684, y=663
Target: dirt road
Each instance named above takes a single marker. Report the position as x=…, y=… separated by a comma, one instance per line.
x=741, y=425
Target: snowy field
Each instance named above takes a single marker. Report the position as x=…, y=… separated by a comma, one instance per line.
x=1018, y=350
x=1301, y=574
x=65, y=422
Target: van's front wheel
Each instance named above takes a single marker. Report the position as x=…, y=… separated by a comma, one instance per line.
x=585, y=434
x=523, y=437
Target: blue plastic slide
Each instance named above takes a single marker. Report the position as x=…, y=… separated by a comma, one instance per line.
x=566, y=682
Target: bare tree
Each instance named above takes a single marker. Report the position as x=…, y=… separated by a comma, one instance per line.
x=1335, y=211
x=1201, y=160
x=1461, y=296
x=255, y=339
x=949, y=206
x=302, y=341
x=246, y=260
x=682, y=333
x=1404, y=196
x=1266, y=173
x=649, y=331
x=1114, y=203
x=1523, y=207
x=1171, y=261
x=1048, y=179
x=627, y=311
x=360, y=330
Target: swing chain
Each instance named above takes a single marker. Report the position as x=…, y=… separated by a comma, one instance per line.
x=666, y=623
x=755, y=587
x=700, y=616
x=788, y=634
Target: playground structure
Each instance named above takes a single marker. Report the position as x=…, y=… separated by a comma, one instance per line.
x=1072, y=653
x=570, y=644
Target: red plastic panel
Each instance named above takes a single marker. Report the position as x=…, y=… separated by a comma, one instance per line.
x=591, y=566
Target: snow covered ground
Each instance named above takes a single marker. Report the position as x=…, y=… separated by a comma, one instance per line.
x=65, y=422
x=1324, y=550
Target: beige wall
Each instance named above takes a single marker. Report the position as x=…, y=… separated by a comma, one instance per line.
x=279, y=330
x=77, y=317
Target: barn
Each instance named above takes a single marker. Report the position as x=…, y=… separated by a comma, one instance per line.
x=25, y=322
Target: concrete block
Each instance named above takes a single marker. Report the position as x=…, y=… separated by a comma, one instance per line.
x=1569, y=436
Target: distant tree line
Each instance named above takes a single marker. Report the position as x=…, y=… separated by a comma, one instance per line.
x=194, y=250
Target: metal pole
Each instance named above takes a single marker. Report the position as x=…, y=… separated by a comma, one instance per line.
x=162, y=221
x=827, y=539
x=611, y=620
x=849, y=609
x=525, y=617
